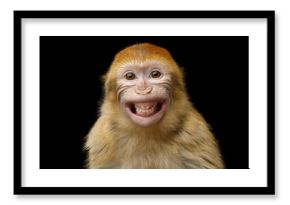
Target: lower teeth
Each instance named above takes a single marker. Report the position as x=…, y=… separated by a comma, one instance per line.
x=145, y=111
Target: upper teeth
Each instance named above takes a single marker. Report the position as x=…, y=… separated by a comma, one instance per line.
x=145, y=108
x=145, y=105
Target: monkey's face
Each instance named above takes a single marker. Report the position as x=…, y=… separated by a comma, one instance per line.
x=144, y=92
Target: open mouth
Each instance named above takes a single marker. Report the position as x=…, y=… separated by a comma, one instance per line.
x=145, y=109
x=147, y=112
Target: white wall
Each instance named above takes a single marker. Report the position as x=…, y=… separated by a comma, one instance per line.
x=282, y=98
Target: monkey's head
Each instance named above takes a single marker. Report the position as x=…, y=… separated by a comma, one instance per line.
x=144, y=81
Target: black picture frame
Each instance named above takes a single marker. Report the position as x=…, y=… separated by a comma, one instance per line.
x=18, y=95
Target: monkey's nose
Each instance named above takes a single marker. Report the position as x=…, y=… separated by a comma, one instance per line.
x=144, y=91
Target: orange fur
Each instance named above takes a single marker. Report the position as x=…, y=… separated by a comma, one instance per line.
x=181, y=139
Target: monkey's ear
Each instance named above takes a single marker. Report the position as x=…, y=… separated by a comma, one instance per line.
x=183, y=71
x=103, y=78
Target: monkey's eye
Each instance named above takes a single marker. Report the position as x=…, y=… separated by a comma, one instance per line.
x=155, y=74
x=130, y=76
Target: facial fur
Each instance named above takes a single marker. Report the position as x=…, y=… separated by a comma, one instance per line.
x=146, y=119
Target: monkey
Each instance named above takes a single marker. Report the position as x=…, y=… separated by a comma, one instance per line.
x=146, y=118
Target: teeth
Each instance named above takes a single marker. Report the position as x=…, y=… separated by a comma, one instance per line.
x=145, y=108
x=144, y=111
x=145, y=105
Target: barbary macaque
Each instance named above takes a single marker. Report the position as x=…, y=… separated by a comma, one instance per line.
x=146, y=119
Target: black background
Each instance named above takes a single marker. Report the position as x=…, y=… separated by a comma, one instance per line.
x=70, y=90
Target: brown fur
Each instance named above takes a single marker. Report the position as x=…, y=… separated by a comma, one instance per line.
x=181, y=139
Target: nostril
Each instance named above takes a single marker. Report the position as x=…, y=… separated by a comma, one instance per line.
x=144, y=91
x=149, y=90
